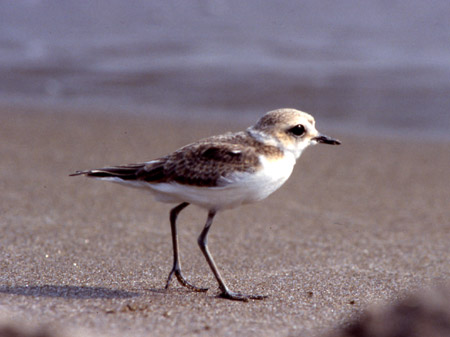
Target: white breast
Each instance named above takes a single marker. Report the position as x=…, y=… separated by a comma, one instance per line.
x=271, y=176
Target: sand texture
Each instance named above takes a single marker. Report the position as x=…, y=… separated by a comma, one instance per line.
x=358, y=224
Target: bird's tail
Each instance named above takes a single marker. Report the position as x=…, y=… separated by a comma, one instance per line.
x=124, y=172
x=150, y=172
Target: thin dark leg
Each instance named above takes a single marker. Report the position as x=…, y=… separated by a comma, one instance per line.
x=176, y=269
x=203, y=243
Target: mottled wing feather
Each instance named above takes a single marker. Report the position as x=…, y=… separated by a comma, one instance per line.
x=205, y=164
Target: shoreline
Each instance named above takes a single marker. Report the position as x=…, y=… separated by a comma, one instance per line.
x=247, y=118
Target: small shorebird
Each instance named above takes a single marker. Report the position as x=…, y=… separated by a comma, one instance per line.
x=222, y=172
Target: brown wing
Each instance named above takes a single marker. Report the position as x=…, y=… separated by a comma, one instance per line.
x=202, y=164
x=197, y=165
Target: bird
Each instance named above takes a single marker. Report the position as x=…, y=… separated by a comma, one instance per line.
x=221, y=172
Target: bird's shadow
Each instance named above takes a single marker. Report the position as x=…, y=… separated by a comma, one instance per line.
x=66, y=291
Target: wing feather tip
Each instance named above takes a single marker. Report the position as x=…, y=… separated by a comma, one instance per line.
x=77, y=173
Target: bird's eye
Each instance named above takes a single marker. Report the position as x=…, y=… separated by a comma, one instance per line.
x=298, y=130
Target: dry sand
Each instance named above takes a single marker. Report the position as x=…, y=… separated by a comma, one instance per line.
x=363, y=223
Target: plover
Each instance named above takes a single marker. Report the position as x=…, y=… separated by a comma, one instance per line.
x=222, y=172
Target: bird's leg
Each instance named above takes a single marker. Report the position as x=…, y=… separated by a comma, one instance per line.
x=176, y=269
x=203, y=243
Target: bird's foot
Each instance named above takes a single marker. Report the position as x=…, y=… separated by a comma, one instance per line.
x=230, y=295
x=183, y=281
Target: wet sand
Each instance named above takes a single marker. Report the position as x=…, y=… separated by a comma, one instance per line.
x=362, y=223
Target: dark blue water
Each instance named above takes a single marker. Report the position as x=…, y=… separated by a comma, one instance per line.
x=359, y=65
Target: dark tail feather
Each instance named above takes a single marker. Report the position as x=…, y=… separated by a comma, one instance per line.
x=151, y=172
x=125, y=172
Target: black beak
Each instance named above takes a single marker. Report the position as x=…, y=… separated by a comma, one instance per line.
x=326, y=140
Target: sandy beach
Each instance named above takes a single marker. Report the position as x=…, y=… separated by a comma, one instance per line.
x=363, y=223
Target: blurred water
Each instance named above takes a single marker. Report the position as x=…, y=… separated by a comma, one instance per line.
x=361, y=65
